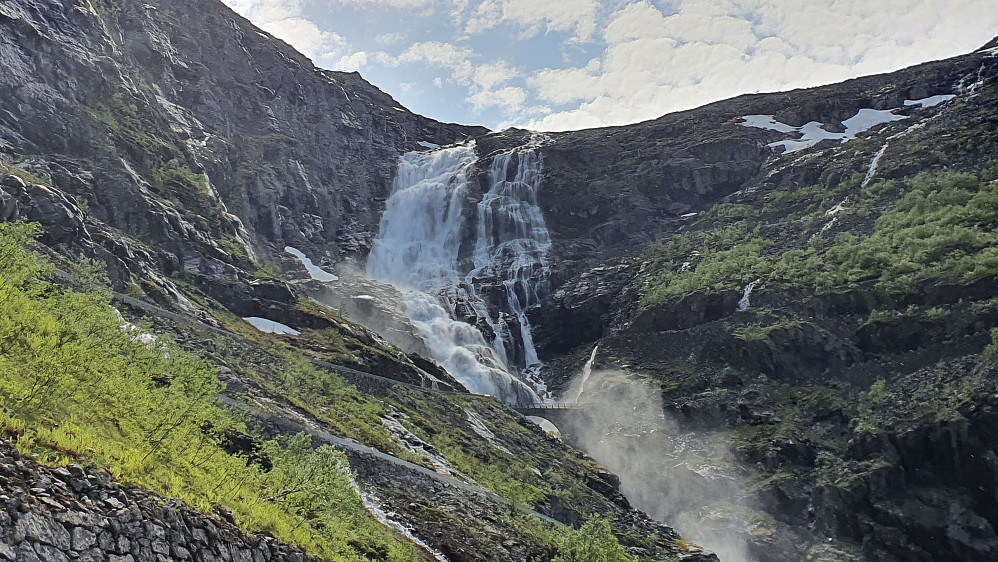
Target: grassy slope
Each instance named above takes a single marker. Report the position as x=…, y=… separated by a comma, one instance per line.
x=80, y=385
x=893, y=293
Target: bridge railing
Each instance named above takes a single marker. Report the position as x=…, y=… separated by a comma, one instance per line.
x=545, y=406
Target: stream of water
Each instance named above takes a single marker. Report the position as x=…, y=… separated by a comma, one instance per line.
x=418, y=250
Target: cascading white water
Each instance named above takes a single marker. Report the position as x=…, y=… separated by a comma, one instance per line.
x=587, y=371
x=743, y=303
x=873, y=165
x=511, y=249
x=417, y=250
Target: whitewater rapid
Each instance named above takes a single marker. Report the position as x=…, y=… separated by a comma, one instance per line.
x=418, y=251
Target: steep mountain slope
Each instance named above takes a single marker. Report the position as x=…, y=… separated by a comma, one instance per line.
x=820, y=311
x=830, y=318
x=184, y=149
x=128, y=104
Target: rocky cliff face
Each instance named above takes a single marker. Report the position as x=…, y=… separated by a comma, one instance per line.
x=185, y=149
x=183, y=125
x=75, y=514
x=790, y=316
x=609, y=192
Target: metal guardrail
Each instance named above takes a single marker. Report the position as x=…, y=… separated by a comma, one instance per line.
x=546, y=406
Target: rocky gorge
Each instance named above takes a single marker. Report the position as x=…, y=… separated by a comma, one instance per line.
x=790, y=333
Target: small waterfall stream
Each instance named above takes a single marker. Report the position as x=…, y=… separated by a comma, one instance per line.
x=418, y=251
x=872, y=170
x=587, y=371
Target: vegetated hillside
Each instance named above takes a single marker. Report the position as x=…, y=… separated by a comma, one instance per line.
x=181, y=148
x=281, y=447
x=856, y=378
x=609, y=192
x=184, y=149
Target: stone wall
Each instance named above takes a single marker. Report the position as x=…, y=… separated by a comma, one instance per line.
x=64, y=514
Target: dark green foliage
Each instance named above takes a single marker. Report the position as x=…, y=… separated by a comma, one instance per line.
x=991, y=352
x=81, y=385
x=127, y=125
x=593, y=542
x=942, y=227
x=172, y=176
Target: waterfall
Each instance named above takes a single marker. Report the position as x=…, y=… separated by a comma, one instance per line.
x=417, y=250
x=872, y=170
x=743, y=303
x=511, y=252
x=587, y=371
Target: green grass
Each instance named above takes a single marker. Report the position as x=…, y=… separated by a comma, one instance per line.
x=78, y=387
x=172, y=176
x=759, y=332
x=941, y=227
x=28, y=177
x=593, y=542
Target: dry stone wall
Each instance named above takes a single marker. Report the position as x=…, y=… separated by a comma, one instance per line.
x=75, y=514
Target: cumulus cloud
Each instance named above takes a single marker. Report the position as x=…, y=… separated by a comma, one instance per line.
x=708, y=50
x=389, y=38
x=487, y=82
x=655, y=56
x=577, y=17
x=352, y=61
x=285, y=20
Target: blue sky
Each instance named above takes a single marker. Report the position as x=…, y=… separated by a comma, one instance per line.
x=570, y=64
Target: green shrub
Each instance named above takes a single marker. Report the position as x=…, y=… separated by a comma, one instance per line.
x=944, y=226
x=593, y=542
x=991, y=351
x=172, y=176
x=79, y=385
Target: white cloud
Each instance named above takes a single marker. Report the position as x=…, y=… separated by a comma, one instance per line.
x=486, y=82
x=713, y=49
x=285, y=20
x=577, y=17
x=353, y=61
x=389, y=38
x=406, y=4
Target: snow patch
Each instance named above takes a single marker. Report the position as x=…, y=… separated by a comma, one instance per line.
x=688, y=215
x=814, y=132
x=316, y=272
x=270, y=326
x=426, y=144
x=866, y=119
x=930, y=101
x=767, y=122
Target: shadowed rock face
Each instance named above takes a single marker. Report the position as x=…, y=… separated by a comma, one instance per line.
x=178, y=140
x=608, y=192
x=101, y=99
